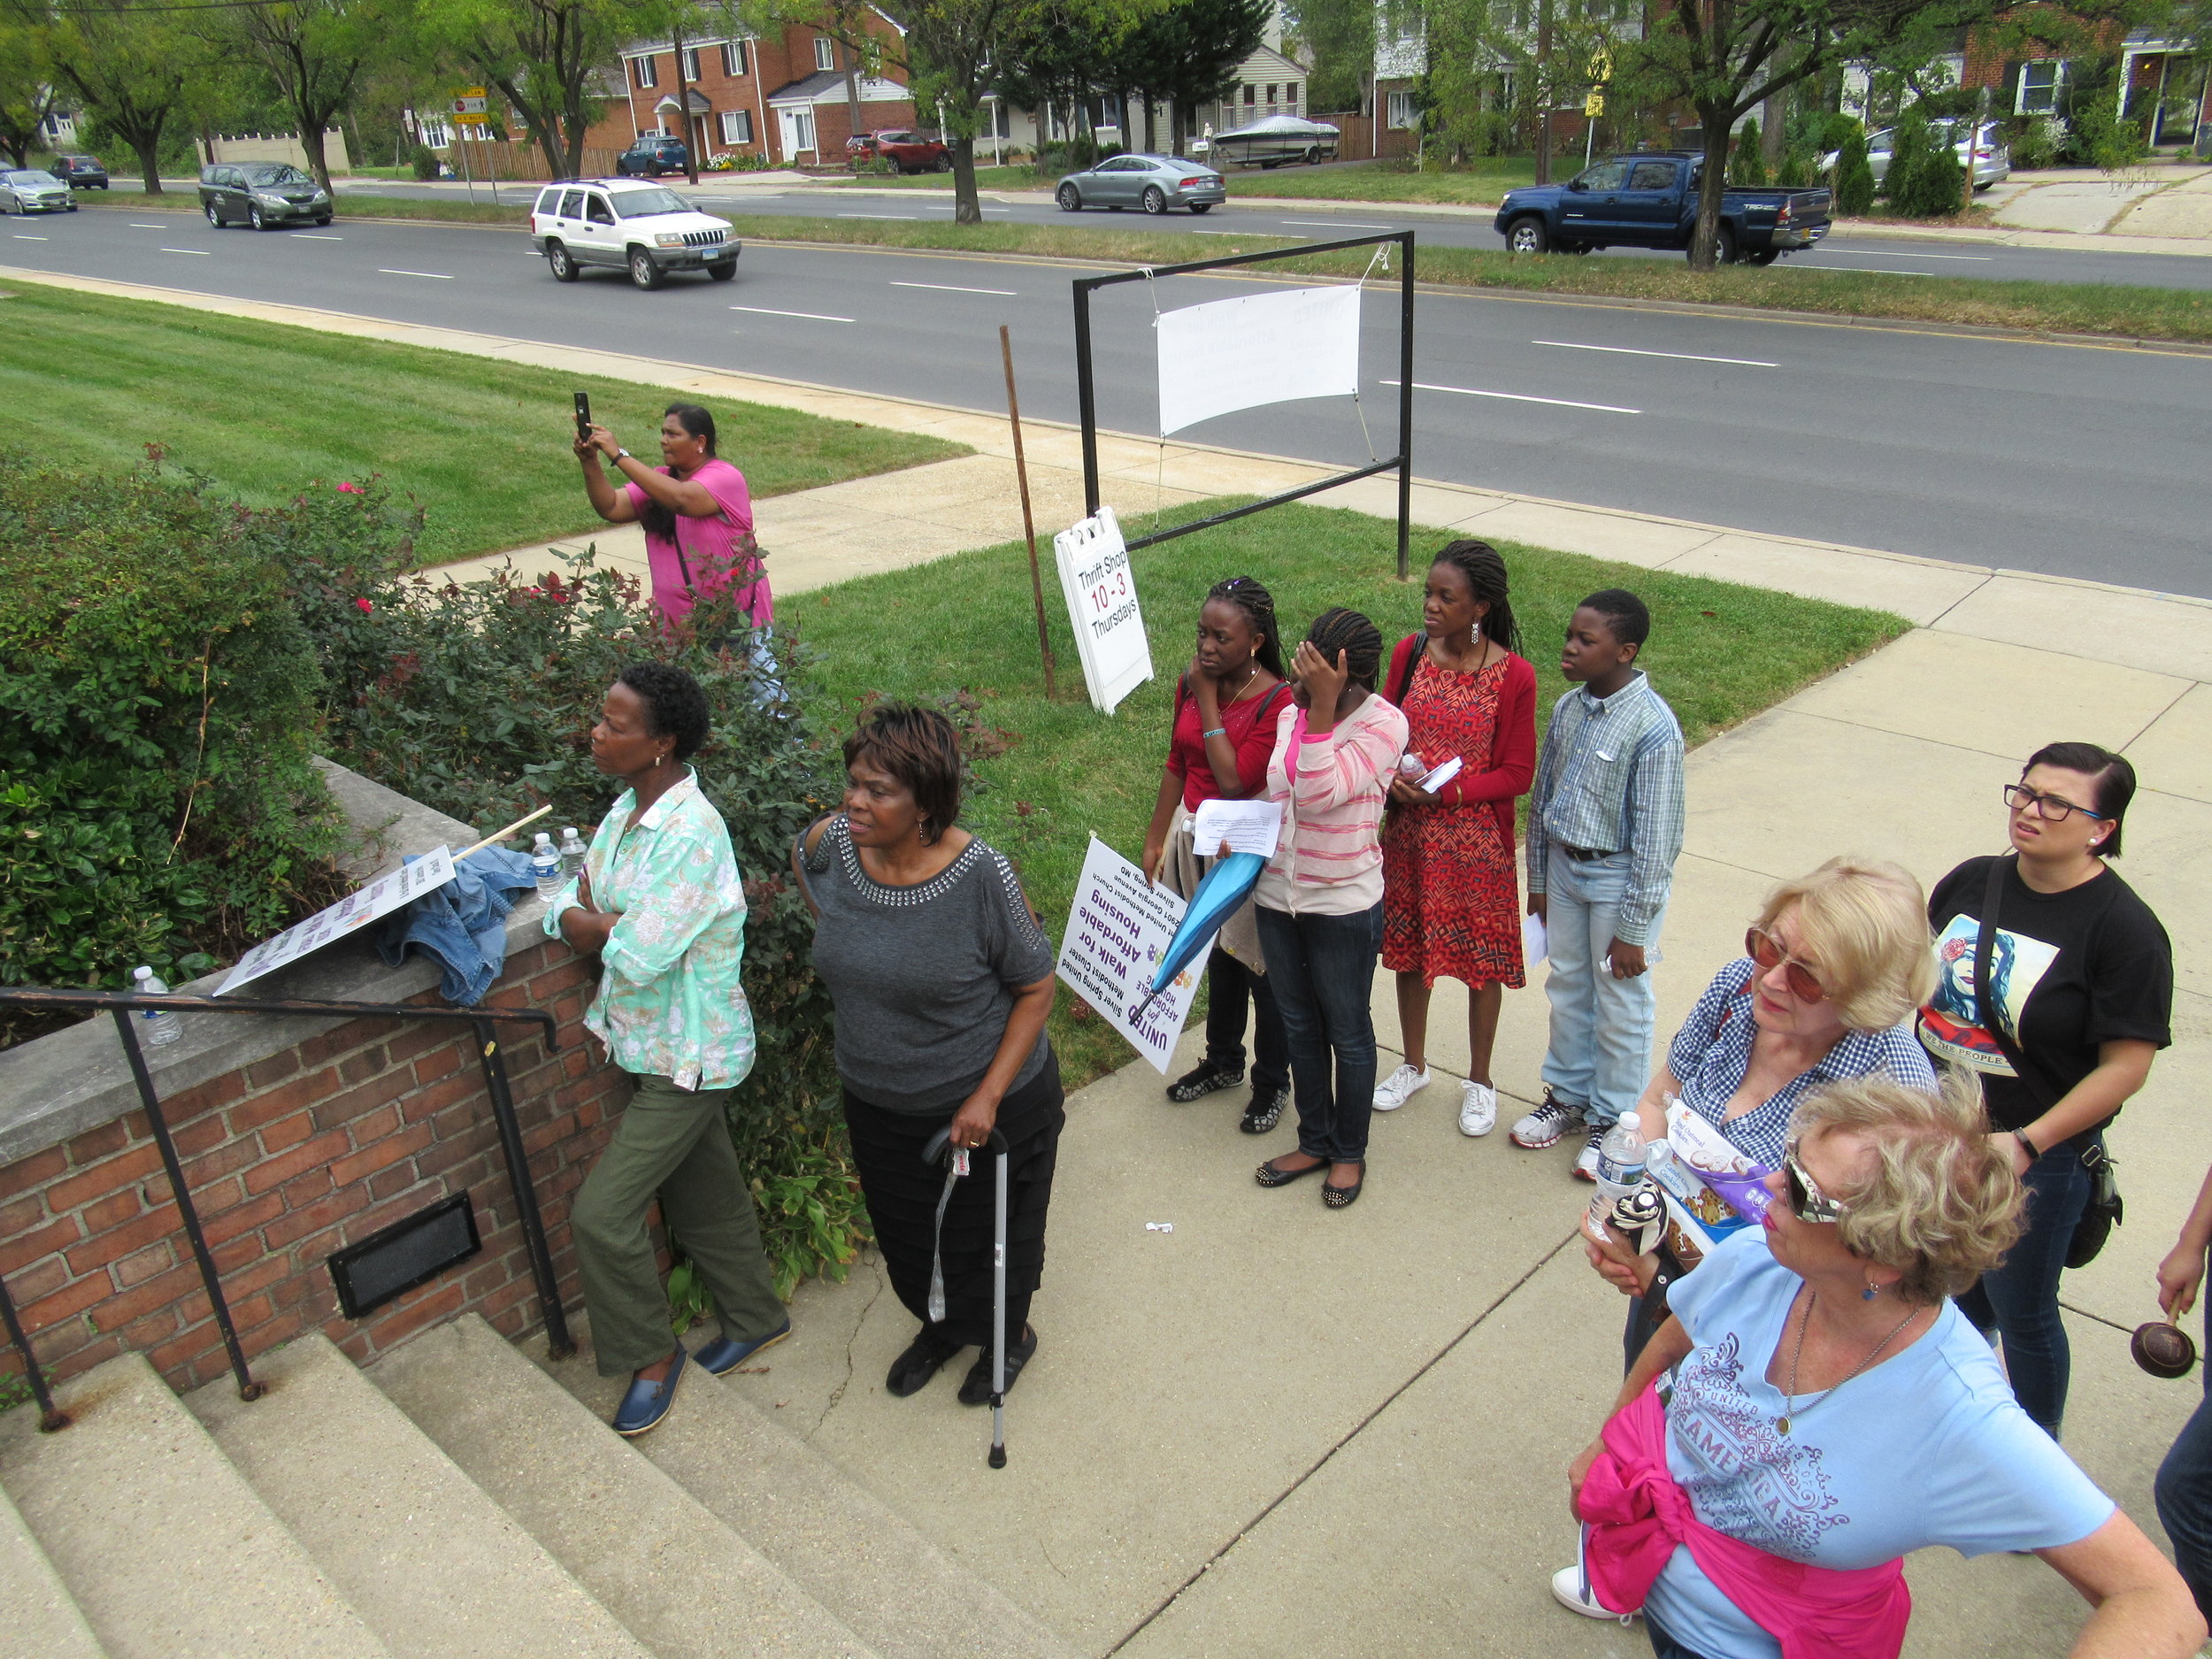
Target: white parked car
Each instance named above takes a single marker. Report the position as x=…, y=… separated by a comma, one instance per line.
x=1992, y=157
x=628, y=223
x=30, y=191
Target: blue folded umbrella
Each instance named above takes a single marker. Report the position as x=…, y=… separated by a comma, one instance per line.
x=1226, y=886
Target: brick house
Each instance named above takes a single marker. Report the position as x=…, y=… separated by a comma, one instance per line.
x=789, y=99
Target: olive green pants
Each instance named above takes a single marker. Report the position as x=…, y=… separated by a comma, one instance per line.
x=673, y=1143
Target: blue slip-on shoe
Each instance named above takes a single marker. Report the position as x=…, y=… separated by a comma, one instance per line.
x=647, y=1402
x=722, y=1356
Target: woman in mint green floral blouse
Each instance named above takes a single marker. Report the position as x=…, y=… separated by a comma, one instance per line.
x=661, y=904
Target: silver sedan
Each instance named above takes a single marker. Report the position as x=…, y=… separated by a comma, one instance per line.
x=1154, y=183
x=29, y=190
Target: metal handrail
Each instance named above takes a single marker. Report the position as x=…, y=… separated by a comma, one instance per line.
x=489, y=1055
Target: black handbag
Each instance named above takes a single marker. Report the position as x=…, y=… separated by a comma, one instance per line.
x=2104, y=1209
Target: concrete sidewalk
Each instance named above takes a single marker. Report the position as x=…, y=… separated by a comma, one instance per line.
x=1283, y=1429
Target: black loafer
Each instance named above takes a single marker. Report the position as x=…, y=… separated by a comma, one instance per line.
x=976, y=1390
x=1269, y=1175
x=1202, y=1081
x=924, y=1358
x=1344, y=1197
x=1265, y=1111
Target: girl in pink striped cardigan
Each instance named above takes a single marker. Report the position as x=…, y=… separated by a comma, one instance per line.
x=1319, y=901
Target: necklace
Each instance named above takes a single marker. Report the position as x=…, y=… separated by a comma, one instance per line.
x=1251, y=674
x=1789, y=1399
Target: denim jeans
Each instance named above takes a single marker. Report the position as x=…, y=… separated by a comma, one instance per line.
x=1324, y=973
x=1600, y=1056
x=1664, y=1646
x=1228, y=985
x=2018, y=1299
x=2184, y=1492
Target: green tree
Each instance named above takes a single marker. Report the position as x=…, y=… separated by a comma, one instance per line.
x=1746, y=159
x=26, y=87
x=313, y=53
x=1923, y=180
x=1186, y=53
x=1855, y=173
x=132, y=67
x=1340, y=34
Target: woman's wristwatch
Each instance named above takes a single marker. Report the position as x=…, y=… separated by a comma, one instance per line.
x=2026, y=1145
x=622, y=455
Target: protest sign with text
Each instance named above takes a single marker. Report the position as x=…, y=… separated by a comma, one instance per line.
x=1101, y=588
x=1116, y=933
x=351, y=913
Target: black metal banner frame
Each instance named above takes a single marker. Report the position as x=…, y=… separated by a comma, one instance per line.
x=1401, y=463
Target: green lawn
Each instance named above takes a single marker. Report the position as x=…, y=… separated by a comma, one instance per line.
x=264, y=409
x=1719, y=652
x=1478, y=184
x=986, y=177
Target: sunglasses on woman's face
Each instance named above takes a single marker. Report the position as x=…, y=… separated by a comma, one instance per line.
x=1807, y=1202
x=1765, y=949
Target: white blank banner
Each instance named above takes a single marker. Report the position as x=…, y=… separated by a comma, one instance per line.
x=1262, y=349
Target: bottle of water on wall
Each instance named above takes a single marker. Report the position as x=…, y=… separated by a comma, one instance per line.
x=545, y=866
x=155, y=1025
x=572, y=850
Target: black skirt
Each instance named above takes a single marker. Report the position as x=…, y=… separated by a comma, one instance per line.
x=902, y=1195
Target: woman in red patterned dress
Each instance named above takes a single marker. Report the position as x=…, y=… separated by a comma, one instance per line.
x=1451, y=901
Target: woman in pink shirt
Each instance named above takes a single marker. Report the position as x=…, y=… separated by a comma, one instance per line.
x=1319, y=901
x=696, y=512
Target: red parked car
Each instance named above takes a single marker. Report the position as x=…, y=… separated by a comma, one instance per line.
x=908, y=151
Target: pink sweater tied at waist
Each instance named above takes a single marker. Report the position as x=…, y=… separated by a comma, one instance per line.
x=1638, y=1514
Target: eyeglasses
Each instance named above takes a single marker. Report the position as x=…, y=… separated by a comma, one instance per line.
x=1807, y=1202
x=1765, y=949
x=2052, y=809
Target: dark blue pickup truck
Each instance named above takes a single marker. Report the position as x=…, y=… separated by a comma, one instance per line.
x=1649, y=200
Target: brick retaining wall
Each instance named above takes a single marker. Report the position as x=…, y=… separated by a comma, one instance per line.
x=294, y=1156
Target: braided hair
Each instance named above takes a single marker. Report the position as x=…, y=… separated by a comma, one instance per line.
x=1360, y=641
x=1485, y=570
x=1258, y=606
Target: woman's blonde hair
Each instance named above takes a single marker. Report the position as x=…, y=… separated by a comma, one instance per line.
x=1939, y=1204
x=1863, y=927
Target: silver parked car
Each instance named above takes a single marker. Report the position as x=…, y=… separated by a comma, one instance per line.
x=1992, y=157
x=1154, y=183
x=30, y=191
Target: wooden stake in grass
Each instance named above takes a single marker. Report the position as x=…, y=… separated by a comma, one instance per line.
x=1029, y=524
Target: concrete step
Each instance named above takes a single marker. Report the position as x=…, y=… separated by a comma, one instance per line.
x=841, y=1544
x=36, y=1609
x=689, y=1586
x=434, y=1566
x=167, y=1550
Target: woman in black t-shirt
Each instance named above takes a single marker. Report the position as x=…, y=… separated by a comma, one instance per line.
x=2081, y=989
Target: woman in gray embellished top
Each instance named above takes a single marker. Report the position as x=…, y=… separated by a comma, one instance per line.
x=942, y=981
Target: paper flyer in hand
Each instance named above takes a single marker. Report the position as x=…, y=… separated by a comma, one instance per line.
x=1248, y=826
x=355, y=910
x=1697, y=1216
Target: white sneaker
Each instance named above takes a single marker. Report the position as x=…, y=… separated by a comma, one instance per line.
x=1571, y=1588
x=1547, y=1124
x=1478, y=1108
x=1399, y=1087
x=1586, y=1167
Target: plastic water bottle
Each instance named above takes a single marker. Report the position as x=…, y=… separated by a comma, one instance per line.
x=1622, y=1155
x=156, y=1026
x=545, y=866
x=572, y=850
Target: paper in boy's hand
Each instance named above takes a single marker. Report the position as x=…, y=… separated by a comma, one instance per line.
x=1534, y=946
x=1247, y=826
x=1429, y=783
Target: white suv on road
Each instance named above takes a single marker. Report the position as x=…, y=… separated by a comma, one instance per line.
x=628, y=223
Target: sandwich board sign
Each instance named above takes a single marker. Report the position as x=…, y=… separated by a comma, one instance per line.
x=1119, y=928
x=1100, y=586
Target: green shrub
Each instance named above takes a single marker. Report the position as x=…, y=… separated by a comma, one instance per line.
x=478, y=698
x=1924, y=179
x=2033, y=142
x=424, y=160
x=1747, y=160
x=159, y=803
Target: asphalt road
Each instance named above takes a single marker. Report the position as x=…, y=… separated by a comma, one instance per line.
x=1320, y=221
x=2081, y=461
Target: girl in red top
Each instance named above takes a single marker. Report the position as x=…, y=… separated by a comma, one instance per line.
x=1224, y=729
x=1451, y=905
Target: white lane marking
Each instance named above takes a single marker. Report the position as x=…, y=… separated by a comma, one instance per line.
x=435, y=276
x=936, y=208
x=878, y=216
x=1521, y=397
x=309, y=235
x=1632, y=352
x=20, y=236
x=198, y=252
x=813, y=317
x=1333, y=224
x=1894, y=253
x=135, y=225
x=950, y=287
x=1873, y=269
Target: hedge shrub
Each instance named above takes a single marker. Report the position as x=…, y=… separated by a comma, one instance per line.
x=157, y=714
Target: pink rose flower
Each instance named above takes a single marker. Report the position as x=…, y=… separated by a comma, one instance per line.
x=349, y=489
x=364, y=606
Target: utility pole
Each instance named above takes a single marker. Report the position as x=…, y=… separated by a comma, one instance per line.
x=1543, y=92
x=683, y=112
